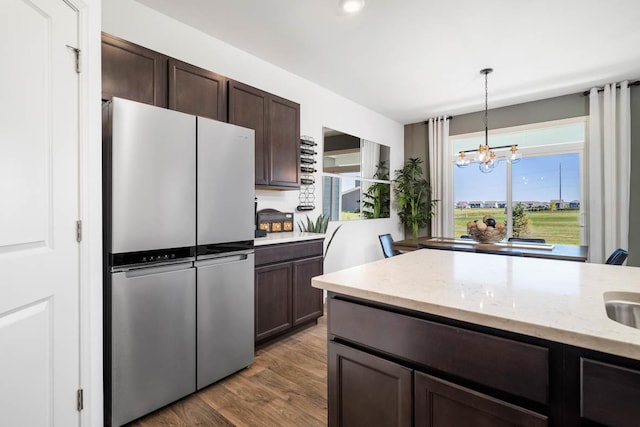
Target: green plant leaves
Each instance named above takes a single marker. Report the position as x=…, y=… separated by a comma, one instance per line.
x=413, y=196
x=318, y=226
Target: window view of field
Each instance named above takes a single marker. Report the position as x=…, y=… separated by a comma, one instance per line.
x=545, y=197
x=558, y=226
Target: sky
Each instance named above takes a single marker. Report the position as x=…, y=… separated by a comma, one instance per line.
x=534, y=179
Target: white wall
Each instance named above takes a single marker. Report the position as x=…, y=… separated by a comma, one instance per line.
x=357, y=241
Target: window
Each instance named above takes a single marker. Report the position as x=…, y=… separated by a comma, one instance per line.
x=540, y=196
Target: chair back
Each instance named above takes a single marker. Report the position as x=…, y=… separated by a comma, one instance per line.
x=386, y=241
x=617, y=257
x=526, y=240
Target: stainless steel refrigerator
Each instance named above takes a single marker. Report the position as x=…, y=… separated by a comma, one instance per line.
x=178, y=215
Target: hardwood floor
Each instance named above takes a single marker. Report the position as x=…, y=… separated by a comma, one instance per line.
x=285, y=386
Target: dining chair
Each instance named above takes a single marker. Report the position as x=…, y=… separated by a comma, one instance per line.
x=617, y=257
x=526, y=240
x=386, y=241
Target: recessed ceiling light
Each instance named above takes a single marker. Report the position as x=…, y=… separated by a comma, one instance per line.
x=351, y=6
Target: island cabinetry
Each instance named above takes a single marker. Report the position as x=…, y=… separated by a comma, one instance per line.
x=133, y=72
x=366, y=390
x=602, y=389
x=458, y=374
x=284, y=298
x=194, y=90
x=442, y=403
x=276, y=122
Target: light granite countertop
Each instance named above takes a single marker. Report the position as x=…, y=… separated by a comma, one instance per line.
x=286, y=237
x=560, y=301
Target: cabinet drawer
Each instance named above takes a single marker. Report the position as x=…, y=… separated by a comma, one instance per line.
x=610, y=394
x=288, y=251
x=514, y=367
x=439, y=402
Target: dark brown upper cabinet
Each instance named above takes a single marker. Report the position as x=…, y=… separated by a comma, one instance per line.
x=133, y=72
x=277, y=124
x=197, y=91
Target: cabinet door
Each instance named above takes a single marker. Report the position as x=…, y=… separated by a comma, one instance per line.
x=609, y=394
x=197, y=91
x=440, y=403
x=248, y=108
x=273, y=300
x=365, y=390
x=307, y=301
x=284, y=142
x=132, y=72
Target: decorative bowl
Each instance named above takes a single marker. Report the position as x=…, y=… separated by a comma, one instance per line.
x=488, y=235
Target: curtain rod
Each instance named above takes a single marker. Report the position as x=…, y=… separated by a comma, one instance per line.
x=445, y=117
x=636, y=83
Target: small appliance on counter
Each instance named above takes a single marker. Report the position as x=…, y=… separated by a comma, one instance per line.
x=274, y=221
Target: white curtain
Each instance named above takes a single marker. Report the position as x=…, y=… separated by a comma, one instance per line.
x=609, y=170
x=440, y=176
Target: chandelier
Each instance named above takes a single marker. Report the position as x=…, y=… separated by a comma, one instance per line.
x=486, y=157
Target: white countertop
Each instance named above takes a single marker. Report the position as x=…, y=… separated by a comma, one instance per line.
x=286, y=237
x=559, y=301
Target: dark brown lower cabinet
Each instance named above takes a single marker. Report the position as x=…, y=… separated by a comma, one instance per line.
x=307, y=300
x=365, y=390
x=273, y=300
x=610, y=394
x=466, y=374
x=440, y=403
x=284, y=297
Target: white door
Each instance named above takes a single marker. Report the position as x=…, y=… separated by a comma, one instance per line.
x=39, y=269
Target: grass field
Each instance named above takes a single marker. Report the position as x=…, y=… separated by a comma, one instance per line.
x=560, y=227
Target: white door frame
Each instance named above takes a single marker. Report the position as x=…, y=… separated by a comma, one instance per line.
x=90, y=146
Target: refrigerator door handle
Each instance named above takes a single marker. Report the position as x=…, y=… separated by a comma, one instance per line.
x=226, y=259
x=148, y=271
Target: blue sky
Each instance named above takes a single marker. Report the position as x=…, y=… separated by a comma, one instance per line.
x=534, y=179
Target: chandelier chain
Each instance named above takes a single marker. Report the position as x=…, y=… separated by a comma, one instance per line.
x=486, y=101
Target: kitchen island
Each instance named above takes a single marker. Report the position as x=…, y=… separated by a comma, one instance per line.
x=437, y=337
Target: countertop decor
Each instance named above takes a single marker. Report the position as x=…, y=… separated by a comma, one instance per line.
x=286, y=237
x=559, y=301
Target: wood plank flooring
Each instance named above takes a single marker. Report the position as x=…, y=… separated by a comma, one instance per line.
x=285, y=386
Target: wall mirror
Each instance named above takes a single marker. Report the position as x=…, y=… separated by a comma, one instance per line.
x=356, y=183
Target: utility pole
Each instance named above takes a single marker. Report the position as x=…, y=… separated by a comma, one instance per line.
x=560, y=195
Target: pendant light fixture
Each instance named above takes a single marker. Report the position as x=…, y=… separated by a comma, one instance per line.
x=486, y=158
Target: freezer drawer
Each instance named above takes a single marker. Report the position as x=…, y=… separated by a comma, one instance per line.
x=153, y=180
x=225, y=316
x=226, y=183
x=153, y=355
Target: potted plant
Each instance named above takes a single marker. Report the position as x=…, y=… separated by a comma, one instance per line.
x=318, y=226
x=377, y=198
x=413, y=196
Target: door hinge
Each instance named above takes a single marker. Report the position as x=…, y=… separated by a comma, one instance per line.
x=77, y=52
x=80, y=399
x=79, y=231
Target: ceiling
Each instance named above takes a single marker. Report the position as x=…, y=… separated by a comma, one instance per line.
x=414, y=59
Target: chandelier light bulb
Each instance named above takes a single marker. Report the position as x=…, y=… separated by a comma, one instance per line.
x=481, y=153
x=515, y=155
x=487, y=167
x=351, y=6
x=462, y=160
